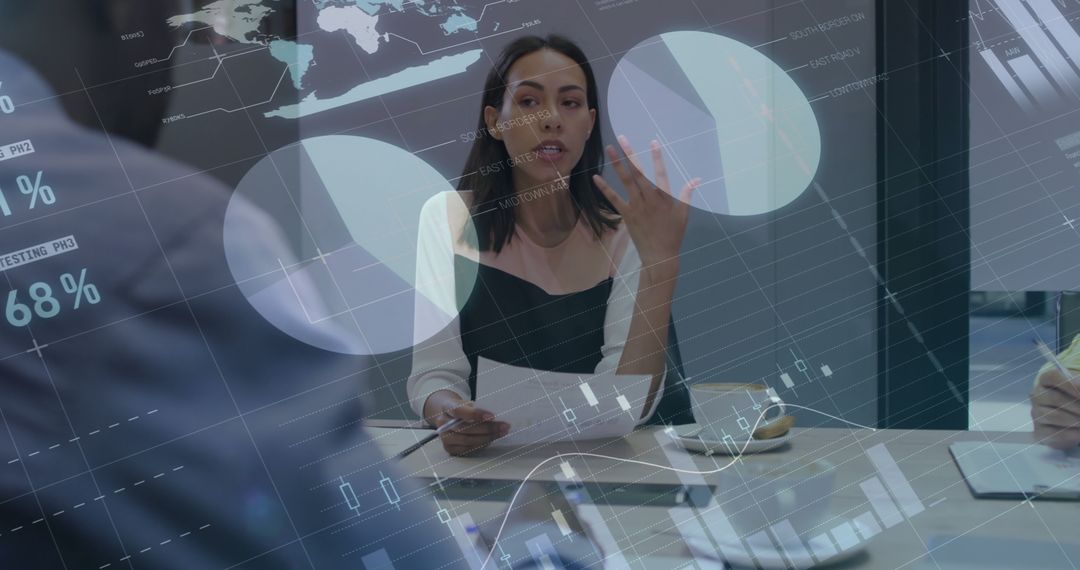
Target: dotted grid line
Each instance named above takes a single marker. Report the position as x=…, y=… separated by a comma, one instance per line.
x=314, y=412
x=324, y=408
x=98, y=498
x=931, y=184
x=1010, y=40
x=327, y=432
x=976, y=99
x=709, y=332
x=679, y=166
x=361, y=549
x=516, y=340
x=768, y=115
x=327, y=483
x=858, y=248
x=162, y=543
x=634, y=314
x=348, y=130
x=113, y=425
x=982, y=18
x=890, y=296
x=1003, y=42
x=616, y=464
x=662, y=524
x=331, y=406
x=110, y=426
x=805, y=167
x=619, y=460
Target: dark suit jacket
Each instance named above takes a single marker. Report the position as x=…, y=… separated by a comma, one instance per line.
x=168, y=425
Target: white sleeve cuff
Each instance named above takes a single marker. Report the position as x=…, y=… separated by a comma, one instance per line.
x=425, y=386
x=656, y=400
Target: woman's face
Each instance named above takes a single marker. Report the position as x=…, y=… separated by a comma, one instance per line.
x=544, y=120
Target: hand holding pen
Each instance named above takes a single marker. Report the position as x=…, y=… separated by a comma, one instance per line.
x=429, y=438
x=464, y=428
x=1055, y=404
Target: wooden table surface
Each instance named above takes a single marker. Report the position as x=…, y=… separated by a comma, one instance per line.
x=648, y=538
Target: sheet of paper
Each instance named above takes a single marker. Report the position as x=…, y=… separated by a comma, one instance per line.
x=1018, y=468
x=545, y=406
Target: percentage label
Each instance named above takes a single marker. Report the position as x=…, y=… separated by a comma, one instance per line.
x=7, y=106
x=44, y=304
x=35, y=188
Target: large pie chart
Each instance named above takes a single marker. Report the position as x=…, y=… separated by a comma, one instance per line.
x=321, y=238
x=723, y=112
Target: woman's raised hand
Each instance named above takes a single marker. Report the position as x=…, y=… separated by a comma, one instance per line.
x=655, y=219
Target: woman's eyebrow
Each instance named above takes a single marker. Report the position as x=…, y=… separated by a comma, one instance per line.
x=535, y=85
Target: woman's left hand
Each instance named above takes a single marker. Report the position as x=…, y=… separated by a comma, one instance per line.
x=655, y=219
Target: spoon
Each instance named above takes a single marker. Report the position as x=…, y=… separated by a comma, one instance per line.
x=779, y=427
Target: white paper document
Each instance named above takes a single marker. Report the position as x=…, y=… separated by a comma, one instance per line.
x=543, y=406
x=1018, y=470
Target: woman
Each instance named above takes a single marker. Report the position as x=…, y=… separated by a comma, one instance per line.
x=569, y=276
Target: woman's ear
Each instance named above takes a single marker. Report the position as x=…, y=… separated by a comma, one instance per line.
x=491, y=119
x=592, y=122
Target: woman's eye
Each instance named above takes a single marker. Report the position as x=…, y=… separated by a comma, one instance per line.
x=573, y=104
x=527, y=101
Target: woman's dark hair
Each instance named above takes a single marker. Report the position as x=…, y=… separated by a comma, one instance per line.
x=491, y=187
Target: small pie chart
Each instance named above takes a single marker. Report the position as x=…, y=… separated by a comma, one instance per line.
x=723, y=112
x=321, y=238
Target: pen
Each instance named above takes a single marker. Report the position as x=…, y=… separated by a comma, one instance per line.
x=1050, y=357
x=428, y=438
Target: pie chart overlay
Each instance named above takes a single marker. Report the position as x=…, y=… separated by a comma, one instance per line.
x=723, y=112
x=321, y=238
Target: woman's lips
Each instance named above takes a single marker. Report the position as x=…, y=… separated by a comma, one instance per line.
x=549, y=153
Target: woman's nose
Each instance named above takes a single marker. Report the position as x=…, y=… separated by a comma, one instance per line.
x=552, y=120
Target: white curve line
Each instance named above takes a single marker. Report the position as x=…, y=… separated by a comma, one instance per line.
x=734, y=458
x=184, y=43
x=474, y=40
x=245, y=107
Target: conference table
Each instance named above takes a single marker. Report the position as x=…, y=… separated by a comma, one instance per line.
x=941, y=526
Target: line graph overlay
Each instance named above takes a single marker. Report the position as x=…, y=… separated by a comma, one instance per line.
x=679, y=470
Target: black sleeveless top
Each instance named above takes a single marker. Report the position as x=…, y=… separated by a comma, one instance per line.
x=507, y=319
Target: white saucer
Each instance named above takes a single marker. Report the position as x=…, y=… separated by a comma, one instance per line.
x=767, y=556
x=684, y=436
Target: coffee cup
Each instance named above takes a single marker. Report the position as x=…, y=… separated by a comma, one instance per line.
x=730, y=412
x=760, y=493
